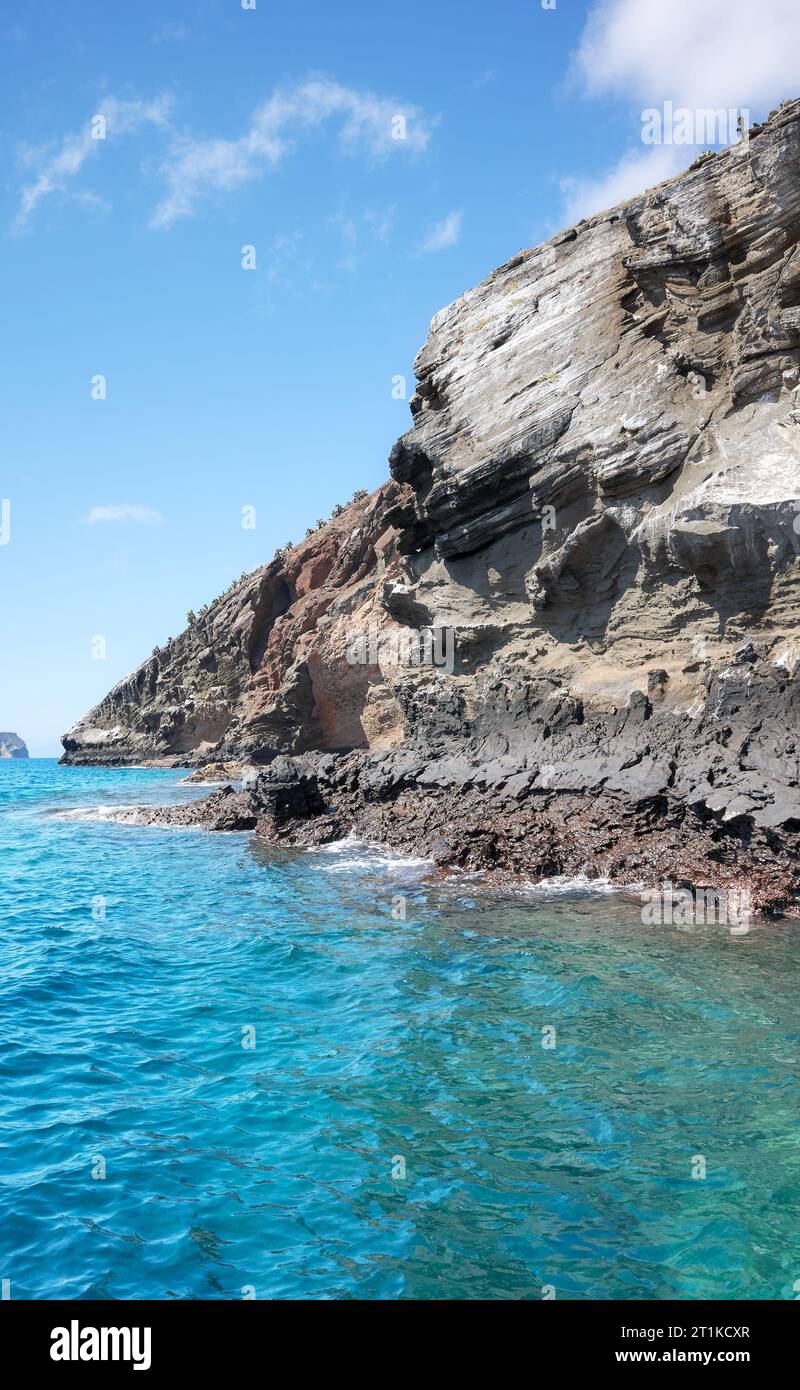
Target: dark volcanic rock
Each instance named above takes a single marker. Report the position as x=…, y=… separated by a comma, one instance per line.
x=288, y=790
x=508, y=825
x=224, y=809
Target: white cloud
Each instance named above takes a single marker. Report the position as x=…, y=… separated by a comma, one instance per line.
x=289, y=262
x=87, y=199
x=380, y=223
x=346, y=226
x=374, y=224
x=195, y=169
x=728, y=54
x=57, y=169
x=444, y=234
x=126, y=511
x=634, y=172
x=170, y=33
x=714, y=53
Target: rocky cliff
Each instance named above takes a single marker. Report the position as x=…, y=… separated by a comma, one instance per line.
x=570, y=621
x=12, y=746
x=264, y=669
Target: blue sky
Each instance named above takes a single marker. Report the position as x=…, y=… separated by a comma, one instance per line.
x=271, y=387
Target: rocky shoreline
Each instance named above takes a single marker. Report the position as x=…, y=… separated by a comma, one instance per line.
x=564, y=637
x=627, y=798
x=507, y=843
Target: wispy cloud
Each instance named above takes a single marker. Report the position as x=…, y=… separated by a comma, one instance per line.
x=361, y=233
x=125, y=511
x=55, y=169
x=88, y=199
x=380, y=224
x=170, y=32
x=632, y=174
x=442, y=235
x=346, y=226
x=289, y=262
x=196, y=169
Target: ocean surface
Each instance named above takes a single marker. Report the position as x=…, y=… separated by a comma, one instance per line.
x=227, y=1072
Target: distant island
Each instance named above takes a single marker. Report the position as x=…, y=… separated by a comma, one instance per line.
x=12, y=746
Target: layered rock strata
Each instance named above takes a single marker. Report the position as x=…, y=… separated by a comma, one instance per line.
x=565, y=637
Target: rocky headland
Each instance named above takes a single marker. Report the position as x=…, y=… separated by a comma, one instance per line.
x=565, y=636
x=12, y=746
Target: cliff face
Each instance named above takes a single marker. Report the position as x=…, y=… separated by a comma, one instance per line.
x=265, y=668
x=605, y=445
x=597, y=515
x=12, y=746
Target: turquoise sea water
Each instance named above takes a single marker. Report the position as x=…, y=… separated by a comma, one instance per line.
x=380, y=1044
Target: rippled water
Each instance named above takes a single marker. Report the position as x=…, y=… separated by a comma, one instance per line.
x=379, y=1042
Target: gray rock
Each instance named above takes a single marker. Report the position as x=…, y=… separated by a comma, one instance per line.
x=12, y=746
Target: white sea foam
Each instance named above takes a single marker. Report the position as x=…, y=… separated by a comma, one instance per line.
x=120, y=815
x=573, y=883
x=360, y=854
x=125, y=815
